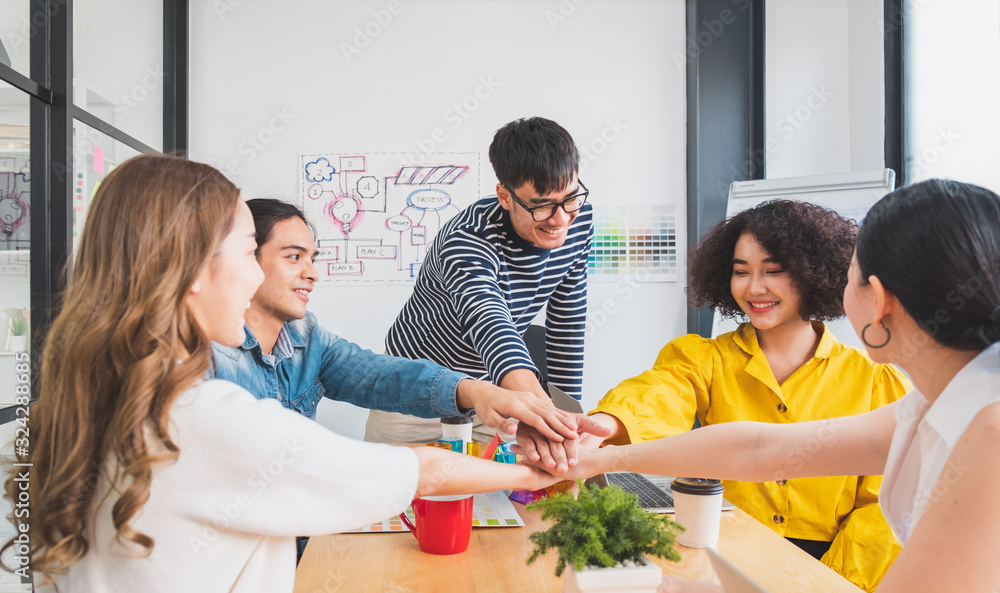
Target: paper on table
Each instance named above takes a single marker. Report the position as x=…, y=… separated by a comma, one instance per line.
x=490, y=509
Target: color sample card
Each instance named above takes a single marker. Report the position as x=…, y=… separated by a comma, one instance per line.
x=637, y=240
x=492, y=509
x=390, y=525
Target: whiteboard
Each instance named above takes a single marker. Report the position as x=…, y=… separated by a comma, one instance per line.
x=849, y=194
x=377, y=213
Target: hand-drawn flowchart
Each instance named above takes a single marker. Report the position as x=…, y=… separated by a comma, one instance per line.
x=376, y=214
x=15, y=208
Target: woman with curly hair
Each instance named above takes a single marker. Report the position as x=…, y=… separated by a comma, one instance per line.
x=146, y=476
x=923, y=292
x=781, y=266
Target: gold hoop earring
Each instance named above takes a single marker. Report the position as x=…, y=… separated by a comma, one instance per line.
x=888, y=336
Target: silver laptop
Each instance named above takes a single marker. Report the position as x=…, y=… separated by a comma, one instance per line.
x=733, y=580
x=653, y=491
x=563, y=400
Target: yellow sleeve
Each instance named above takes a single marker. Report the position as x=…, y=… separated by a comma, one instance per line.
x=889, y=385
x=864, y=547
x=665, y=399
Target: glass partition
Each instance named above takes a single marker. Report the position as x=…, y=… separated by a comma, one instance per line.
x=15, y=34
x=118, y=64
x=94, y=156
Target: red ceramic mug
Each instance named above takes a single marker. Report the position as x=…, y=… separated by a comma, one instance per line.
x=443, y=523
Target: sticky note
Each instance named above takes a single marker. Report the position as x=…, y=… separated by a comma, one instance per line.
x=99, y=160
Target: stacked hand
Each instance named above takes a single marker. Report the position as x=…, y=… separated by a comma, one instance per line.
x=547, y=438
x=501, y=409
x=559, y=457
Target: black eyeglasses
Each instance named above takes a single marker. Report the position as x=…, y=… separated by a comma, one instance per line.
x=546, y=211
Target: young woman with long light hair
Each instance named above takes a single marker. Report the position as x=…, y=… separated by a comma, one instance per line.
x=145, y=476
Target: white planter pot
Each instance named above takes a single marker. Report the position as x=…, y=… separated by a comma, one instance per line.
x=644, y=577
x=18, y=343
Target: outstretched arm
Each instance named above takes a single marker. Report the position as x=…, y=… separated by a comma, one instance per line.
x=444, y=472
x=757, y=451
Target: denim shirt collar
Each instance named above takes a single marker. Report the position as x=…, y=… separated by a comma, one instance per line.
x=294, y=336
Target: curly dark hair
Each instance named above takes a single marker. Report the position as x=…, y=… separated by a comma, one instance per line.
x=812, y=243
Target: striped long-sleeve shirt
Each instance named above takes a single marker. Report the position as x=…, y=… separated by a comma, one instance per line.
x=479, y=289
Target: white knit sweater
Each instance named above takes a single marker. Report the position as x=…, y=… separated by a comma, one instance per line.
x=250, y=477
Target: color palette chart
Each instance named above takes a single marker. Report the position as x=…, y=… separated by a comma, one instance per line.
x=634, y=240
x=492, y=509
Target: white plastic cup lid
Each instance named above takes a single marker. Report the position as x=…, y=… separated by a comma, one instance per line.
x=697, y=486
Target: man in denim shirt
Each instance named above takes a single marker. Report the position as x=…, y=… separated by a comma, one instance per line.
x=288, y=356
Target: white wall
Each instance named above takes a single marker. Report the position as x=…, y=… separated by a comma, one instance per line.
x=281, y=66
x=824, y=70
x=866, y=77
x=953, y=80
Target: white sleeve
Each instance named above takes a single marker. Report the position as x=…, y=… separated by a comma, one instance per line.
x=261, y=468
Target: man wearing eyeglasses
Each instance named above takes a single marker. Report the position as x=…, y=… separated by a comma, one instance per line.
x=493, y=268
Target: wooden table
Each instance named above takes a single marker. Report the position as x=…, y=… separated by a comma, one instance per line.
x=495, y=562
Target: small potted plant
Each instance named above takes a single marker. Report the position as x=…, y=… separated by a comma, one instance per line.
x=18, y=334
x=605, y=537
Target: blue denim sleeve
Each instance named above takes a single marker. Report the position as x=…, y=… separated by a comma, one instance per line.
x=352, y=374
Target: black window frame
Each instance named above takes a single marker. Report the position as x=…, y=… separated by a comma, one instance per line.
x=893, y=21
x=52, y=115
x=726, y=111
x=725, y=115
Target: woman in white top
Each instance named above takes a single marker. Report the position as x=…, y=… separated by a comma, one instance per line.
x=923, y=293
x=143, y=476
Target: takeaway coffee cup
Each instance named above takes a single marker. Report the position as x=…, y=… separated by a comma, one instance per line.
x=442, y=524
x=698, y=508
x=457, y=427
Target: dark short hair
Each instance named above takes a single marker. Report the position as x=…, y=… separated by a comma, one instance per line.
x=935, y=245
x=813, y=244
x=534, y=149
x=268, y=212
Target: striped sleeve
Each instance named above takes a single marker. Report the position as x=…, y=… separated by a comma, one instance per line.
x=471, y=271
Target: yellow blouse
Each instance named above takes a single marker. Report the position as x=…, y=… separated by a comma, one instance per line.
x=728, y=379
